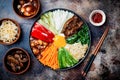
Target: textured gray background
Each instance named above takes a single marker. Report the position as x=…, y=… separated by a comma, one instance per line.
x=107, y=63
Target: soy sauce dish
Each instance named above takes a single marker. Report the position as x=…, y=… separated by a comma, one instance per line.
x=16, y=60
x=60, y=39
x=97, y=17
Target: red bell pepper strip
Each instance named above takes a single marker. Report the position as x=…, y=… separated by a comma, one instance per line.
x=40, y=35
x=43, y=29
x=40, y=32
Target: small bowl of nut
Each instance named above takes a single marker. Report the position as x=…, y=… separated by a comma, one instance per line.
x=26, y=8
x=9, y=31
x=16, y=60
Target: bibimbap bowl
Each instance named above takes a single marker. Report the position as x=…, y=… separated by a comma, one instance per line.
x=60, y=39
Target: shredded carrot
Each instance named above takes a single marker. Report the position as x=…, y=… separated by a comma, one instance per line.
x=50, y=57
x=45, y=53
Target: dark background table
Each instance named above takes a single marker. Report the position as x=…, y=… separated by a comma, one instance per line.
x=107, y=63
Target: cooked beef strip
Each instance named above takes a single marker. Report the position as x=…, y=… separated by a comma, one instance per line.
x=72, y=26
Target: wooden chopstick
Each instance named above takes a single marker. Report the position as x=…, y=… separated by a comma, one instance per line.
x=94, y=53
x=100, y=41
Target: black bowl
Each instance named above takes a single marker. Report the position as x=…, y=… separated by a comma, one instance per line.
x=89, y=46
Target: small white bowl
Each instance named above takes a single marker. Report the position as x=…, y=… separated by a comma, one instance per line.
x=103, y=17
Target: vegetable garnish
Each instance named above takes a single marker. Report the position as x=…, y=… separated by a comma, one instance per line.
x=50, y=57
x=50, y=54
x=55, y=21
x=65, y=59
x=77, y=50
x=43, y=29
x=47, y=21
x=60, y=17
x=40, y=32
x=72, y=39
x=81, y=36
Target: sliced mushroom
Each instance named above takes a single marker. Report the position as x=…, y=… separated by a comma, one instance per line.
x=18, y=67
x=12, y=59
x=24, y=60
x=21, y=55
x=17, y=56
x=13, y=66
x=21, y=64
x=17, y=60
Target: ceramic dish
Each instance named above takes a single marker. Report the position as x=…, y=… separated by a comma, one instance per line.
x=60, y=39
x=97, y=17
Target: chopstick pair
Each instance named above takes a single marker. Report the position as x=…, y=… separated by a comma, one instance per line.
x=94, y=53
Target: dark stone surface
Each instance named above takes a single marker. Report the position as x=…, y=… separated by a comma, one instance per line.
x=107, y=63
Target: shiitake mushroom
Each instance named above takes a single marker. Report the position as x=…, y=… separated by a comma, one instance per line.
x=21, y=58
x=17, y=60
x=12, y=60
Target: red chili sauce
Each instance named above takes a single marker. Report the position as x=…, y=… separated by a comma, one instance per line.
x=97, y=18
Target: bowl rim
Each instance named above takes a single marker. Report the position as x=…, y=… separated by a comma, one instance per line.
x=27, y=17
x=19, y=30
x=103, y=15
x=17, y=48
x=89, y=31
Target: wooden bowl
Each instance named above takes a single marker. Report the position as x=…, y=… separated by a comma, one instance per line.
x=18, y=11
x=8, y=61
x=18, y=32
